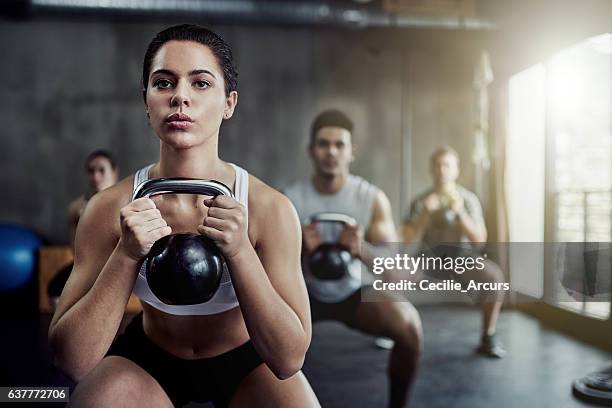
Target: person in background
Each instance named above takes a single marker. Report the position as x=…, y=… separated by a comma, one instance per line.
x=449, y=213
x=102, y=172
x=332, y=188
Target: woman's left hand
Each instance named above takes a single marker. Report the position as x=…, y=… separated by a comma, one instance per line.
x=227, y=224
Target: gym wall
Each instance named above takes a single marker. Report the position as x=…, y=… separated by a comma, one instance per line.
x=71, y=87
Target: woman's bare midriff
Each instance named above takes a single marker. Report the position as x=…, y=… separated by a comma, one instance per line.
x=192, y=337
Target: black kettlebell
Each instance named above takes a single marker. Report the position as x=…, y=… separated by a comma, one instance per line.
x=330, y=260
x=183, y=269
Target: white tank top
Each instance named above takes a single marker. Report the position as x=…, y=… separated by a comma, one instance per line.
x=225, y=297
x=355, y=199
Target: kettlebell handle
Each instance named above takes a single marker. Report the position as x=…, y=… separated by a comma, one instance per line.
x=183, y=185
x=331, y=217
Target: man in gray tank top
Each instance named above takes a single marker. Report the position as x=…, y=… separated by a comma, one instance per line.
x=450, y=214
x=333, y=189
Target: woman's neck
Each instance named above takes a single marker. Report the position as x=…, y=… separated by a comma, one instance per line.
x=196, y=162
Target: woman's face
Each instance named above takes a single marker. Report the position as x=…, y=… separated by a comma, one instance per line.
x=186, y=94
x=101, y=174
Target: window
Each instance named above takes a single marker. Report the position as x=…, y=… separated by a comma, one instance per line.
x=525, y=179
x=575, y=113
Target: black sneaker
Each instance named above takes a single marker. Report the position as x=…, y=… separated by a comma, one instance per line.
x=490, y=346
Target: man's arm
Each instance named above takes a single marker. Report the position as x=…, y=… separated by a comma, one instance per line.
x=470, y=219
x=381, y=228
x=380, y=231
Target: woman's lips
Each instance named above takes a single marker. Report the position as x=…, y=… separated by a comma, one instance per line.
x=179, y=124
x=179, y=121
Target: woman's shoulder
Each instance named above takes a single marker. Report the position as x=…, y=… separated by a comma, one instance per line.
x=268, y=206
x=107, y=203
x=262, y=196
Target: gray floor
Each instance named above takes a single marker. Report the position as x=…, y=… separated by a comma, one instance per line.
x=346, y=370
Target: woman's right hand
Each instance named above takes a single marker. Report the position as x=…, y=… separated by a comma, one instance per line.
x=141, y=225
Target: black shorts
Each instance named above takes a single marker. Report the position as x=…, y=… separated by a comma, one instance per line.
x=343, y=311
x=212, y=379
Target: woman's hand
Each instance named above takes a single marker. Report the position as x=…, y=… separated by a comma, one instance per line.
x=227, y=224
x=141, y=225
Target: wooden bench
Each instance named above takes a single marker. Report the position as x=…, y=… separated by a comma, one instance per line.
x=51, y=260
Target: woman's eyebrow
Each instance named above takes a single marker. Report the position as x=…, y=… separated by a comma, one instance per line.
x=191, y=73
x=163, y=71
x=201, y=71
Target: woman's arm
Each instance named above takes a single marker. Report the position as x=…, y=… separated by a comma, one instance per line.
x=268, y=280
x=73, y=214
x=105, y=267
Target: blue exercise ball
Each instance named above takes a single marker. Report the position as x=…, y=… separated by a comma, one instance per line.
x=18, y=252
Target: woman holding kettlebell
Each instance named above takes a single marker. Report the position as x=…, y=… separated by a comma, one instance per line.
x=243, y=347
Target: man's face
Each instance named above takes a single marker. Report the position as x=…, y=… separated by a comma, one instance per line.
x=445, y=169
x=101, y=174
x=332, y=151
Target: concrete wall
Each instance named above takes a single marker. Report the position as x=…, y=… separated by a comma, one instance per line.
x=70, y=87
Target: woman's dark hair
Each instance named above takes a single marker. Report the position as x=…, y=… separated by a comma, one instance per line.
x=192, y=32
x=100, y=153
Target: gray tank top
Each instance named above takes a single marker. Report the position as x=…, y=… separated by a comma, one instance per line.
x=225, y=297
x=355, y=199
